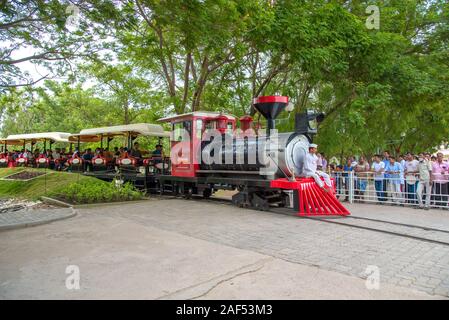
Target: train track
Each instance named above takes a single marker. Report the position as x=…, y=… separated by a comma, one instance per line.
x=416, y=232
x=421, y=233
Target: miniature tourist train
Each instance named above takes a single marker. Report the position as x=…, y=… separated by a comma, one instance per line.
x=208, y=152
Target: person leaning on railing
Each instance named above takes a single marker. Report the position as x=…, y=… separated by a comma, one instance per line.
x=378, y=168
x=411, y=170
x=440, y=178
x=361, y=169
x=337, y=172
x=392, y=175
x=425, y=174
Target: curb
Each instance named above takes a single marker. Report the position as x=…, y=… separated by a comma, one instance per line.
x=60, y=203
x=113, y=203
x=36, y=223
x=55, y=202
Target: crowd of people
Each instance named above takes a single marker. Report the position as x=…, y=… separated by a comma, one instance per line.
x=59, y=158
x=420, y=179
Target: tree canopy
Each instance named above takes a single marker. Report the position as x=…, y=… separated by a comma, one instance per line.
x=138, y=60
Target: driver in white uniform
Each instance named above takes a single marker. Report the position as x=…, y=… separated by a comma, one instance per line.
x=310, y=169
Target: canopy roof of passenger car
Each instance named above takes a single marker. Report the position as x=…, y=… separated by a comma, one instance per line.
x=41, y=136
x=10, y=142
x=201, y=114
x=144, y=129
x=73, y=138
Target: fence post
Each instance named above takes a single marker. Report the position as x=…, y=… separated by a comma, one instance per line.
x=351, y=186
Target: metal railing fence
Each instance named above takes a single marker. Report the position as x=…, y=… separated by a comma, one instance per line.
x=391, y=189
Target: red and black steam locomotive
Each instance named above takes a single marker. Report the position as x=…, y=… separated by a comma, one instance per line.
x=209, y=153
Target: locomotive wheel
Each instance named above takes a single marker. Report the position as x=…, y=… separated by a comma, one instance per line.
x=188, y=194
x=175, y=190
x=259, y=203
x=261, y=207
x=207, y=193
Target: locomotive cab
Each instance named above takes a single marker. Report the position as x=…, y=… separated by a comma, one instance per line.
x=188, y=131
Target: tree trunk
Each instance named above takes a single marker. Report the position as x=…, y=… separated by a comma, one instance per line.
x=186, y=81
x=200, y=84
x=126, y=110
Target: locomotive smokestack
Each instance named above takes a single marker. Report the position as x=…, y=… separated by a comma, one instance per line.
x=270, y=107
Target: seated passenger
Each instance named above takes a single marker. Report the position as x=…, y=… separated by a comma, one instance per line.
x=96, y=153
x=157, y=154
x=76, y=154
x=65, y=155
x=30, y=156
x=58, y=157
x=56, y=154
x=25, y=154
x=87, y=158
x=21, y=156
x=135, y=152
x=108, y=155
x=4, y=159
x=310, y=170
x=36, y=153
x=48, y=154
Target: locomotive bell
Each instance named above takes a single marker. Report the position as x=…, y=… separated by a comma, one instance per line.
x=246, y=123
x=270, y=107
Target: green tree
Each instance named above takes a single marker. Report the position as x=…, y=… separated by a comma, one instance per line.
x=38, y=32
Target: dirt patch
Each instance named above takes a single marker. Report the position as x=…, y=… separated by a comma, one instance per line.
x=24, y=175
x=12, y=205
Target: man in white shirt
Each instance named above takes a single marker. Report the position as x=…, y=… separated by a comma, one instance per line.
x=310, y=169
x=378, y=169
x=411, y=170
x=425, y=172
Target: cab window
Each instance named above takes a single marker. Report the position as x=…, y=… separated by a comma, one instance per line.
x=199, y=128
x=210, y=125
x=179, y=129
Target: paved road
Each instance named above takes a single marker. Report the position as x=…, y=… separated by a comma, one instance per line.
x=169, y=249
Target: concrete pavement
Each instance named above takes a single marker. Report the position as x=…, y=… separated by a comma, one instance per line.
x=177, y=249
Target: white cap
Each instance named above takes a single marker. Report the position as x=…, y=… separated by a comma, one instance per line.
x=313, y=145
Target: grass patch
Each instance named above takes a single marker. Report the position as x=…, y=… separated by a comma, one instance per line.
x=45, y=185
x=87, y=191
